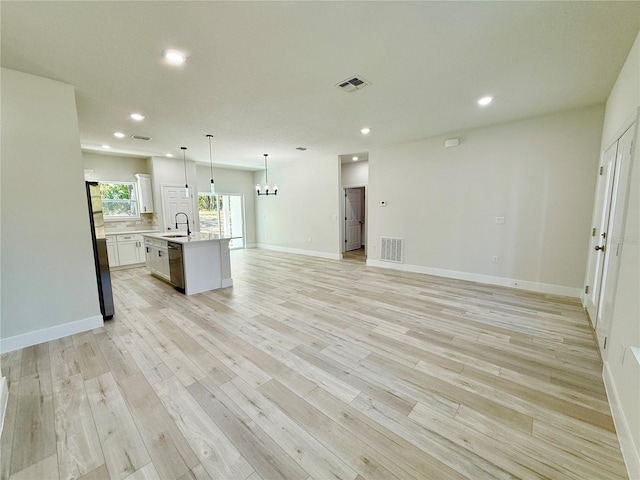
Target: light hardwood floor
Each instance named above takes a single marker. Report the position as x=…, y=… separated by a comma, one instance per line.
x=315, y=369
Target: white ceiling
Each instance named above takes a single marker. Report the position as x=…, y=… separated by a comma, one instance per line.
x=261, y=76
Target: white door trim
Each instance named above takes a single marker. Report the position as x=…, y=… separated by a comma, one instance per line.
x=343, y=233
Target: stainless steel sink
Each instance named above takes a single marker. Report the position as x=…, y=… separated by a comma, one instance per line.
x=173, y=236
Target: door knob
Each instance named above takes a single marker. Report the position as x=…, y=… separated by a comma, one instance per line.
x=598, y=247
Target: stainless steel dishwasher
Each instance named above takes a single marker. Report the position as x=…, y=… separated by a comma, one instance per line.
x=176, y=267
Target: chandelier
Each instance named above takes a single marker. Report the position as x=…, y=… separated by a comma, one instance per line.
x=266, y=185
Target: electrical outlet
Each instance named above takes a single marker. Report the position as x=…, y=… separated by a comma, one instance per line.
x=499, y=220
x=495, y=259
x=373, y=246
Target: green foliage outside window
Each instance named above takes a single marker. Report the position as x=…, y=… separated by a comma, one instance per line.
x=119, y=200
x=208, y=202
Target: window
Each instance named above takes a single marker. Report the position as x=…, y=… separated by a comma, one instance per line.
x=223, y=215
x=119, y=200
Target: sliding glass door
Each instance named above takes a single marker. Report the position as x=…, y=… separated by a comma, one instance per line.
x=223, y=215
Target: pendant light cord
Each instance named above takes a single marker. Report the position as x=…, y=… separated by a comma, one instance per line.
x=210, y=157
x=266, y=171
x=184, y=159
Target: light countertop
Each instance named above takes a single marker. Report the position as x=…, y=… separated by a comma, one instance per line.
x=193, y=238
x=130, y=232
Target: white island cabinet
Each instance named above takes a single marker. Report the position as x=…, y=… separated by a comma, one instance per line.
x=205, y=263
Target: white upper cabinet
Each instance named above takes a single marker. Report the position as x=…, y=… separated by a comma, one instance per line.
x=144, y=191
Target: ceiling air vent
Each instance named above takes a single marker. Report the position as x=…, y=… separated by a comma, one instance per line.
x=302, y=149
x=140, y=137
x=352, y=84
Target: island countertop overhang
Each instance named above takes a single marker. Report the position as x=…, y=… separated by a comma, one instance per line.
x=196, y=237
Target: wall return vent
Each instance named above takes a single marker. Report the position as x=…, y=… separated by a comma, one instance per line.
x=352, y=84
x=392, y=249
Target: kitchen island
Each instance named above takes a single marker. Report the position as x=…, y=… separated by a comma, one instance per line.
x=193, y=263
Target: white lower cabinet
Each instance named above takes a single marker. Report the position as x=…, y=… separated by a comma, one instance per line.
x=157, y=257
x=112, y=251
x=125, y=249
x=130, y=249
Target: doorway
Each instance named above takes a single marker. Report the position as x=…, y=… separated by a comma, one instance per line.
x=613, y=174
x=223, y=214
x=354, y=177
x=354, y=214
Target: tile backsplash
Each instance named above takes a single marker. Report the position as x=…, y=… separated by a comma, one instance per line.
x=147, y=221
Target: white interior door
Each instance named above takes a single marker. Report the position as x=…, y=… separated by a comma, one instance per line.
x=615, y=232
x=174, y=201
x=353, y=218
x=613, y=173
x=599, y=232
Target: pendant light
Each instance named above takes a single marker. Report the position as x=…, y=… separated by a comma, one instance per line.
x=213, y=185
x=266, y=185
x=186, y=184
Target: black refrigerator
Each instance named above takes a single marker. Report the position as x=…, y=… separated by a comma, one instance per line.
x=98, y=235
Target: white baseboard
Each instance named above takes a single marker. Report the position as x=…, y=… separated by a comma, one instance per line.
x=4, y=399
x=251, y=245
x=476, y=277
x=47, y=334
x=299, y=251
x=629, y=449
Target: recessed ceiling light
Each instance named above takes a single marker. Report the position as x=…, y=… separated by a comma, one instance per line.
x=168, y=155
x=365, y=130
x=106, y=147
x=119, y=134
x=137, y=116
x=174, y=57
x=485, y=101
x=355, y=159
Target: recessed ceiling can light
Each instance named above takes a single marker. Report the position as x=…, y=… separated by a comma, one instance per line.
x=365, y=130
x=137, y=116
x=355, y=159
x=485, y=101
x=174, y=57
x=119, y=134
x=168, y=154
x=106, y=147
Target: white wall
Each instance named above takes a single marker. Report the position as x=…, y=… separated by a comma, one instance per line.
x=621, y=369
x=537, y=173
x=113, y=168
x=303, y=217
x=170, y=171
x=233, y=181
x=354, y=173
x=624, y=97
x=49, y=286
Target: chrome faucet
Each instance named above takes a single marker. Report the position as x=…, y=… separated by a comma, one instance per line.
x=183, y=223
